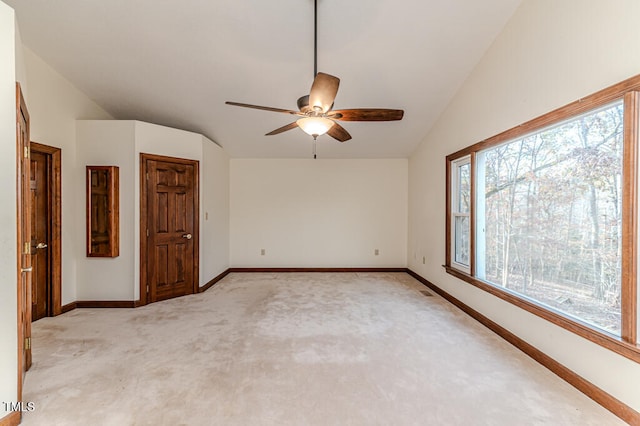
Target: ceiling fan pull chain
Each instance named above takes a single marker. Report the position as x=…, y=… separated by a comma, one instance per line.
x=314, y=147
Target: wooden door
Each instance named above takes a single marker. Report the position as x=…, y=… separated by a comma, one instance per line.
x=24, y=237
x=170, y=220
x=40, y=235
x=52, y=192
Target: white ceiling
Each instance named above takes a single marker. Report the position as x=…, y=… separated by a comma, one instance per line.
x=175, y=63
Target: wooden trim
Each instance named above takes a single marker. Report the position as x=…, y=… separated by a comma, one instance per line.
x=129, y=303
x=629, y=295
x=80, y=304
x=196, y=227
x=105, y=304
x=584, y=330
x=612, y=404
x=55, y=237
x=317, y=270
x=143, y=221
x=214, y=281
x=11, y=419
x=447, y=231
x=472, y=214
x=144, y=299
x=68, y=307
x=137, y=303
x=125, y=304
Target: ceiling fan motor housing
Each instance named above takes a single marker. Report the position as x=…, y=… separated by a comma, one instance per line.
x=303, y=105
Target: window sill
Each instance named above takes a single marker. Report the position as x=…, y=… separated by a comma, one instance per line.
x=611, y=342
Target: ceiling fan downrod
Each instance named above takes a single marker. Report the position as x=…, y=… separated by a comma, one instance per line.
x=315, y=38
x=315, y=64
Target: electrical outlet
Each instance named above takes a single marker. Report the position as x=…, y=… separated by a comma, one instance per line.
x=263, y=252
x=376, y=252
x=423, y=260
x=206, y=215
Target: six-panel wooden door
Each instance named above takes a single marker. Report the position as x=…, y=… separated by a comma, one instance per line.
x=171, y=228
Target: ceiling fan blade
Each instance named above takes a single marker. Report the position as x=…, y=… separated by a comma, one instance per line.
x=323, y=91
x=264, y=108
x=367, y=114
x=339, y=133
x=283, y=129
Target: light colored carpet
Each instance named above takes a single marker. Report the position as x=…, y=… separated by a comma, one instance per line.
x=292, y=349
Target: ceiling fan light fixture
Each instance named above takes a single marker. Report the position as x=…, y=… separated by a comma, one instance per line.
x=315, y=126
x=316, y=108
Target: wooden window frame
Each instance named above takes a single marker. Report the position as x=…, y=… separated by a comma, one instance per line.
x=455, y=199
x=627, y=343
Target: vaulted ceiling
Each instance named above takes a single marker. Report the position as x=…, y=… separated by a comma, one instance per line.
x=175, y=63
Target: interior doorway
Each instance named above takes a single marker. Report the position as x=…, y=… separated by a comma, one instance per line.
x=46, y=242
x=169, y=227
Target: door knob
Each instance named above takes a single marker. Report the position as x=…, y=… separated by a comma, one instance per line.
x=187, y=236
x=29, y=269
x=41, y=245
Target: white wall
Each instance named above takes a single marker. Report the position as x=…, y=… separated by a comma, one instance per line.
x=21, y=70
x=106, y=143
x=214, y=205
x=119, y=143
x=54, y=105
x=318, y=213
x=8, y=237
x=549, y=54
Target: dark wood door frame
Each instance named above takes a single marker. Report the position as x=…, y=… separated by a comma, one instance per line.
x=54, y=199
x=144, y=299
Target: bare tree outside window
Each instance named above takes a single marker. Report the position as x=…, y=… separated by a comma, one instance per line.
x=549, y=217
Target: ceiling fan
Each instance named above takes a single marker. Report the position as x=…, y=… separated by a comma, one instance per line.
x=315, y=109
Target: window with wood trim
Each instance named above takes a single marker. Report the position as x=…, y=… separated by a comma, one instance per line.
x=544, y=216
x=460, y=213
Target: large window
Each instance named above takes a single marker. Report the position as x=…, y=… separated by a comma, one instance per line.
x=544, y=216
